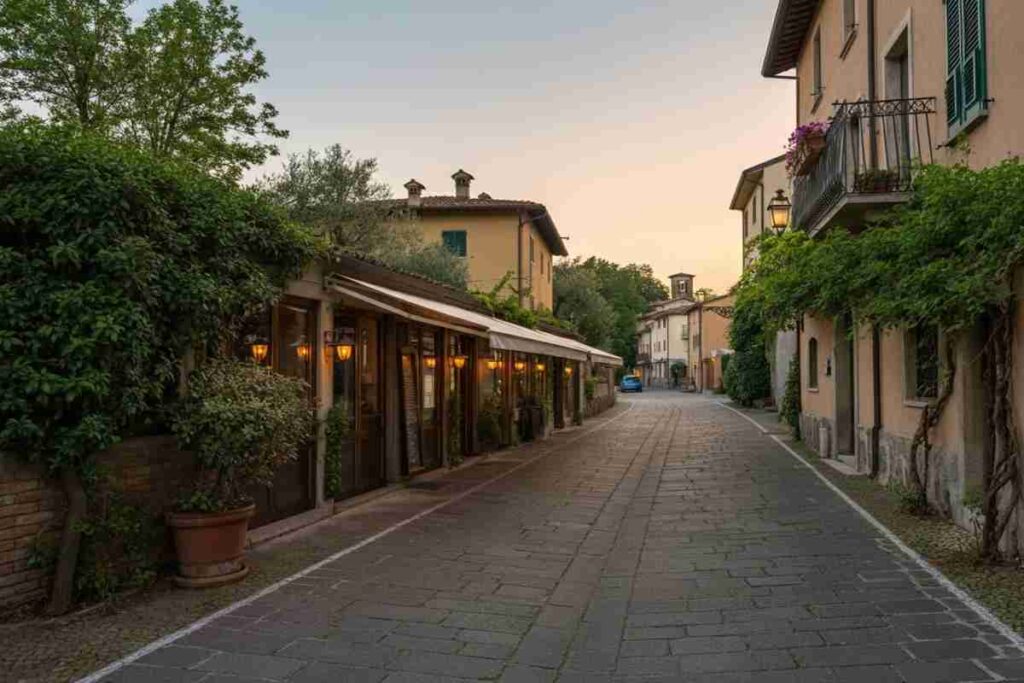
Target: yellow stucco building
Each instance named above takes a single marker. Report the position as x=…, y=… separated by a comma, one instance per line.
x=497, y=237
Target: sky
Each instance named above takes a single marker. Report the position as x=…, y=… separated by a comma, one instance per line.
x=630, y=120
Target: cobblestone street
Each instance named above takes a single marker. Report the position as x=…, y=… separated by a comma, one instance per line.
x=674, y=541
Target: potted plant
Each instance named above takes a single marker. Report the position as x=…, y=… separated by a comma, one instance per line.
x=805, y=146
x=242, y=421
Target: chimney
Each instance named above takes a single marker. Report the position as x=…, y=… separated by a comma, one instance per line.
x=415, y=189
x=462, y=180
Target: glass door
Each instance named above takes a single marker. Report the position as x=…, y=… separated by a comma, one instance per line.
x=369, y=470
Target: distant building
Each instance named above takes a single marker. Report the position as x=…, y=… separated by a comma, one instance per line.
x=663, y=336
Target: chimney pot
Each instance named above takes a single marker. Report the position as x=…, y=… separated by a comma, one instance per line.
x=462, y=180
x=415, y=189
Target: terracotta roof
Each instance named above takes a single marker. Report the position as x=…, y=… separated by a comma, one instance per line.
x=749, y=179
x=792, y=19
x=537, y=213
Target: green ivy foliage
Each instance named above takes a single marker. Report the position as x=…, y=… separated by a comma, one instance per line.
x=242, y=421
x=112, y=267
x=943, y=259
x=338, y=430
x=789, y=407
x=747, y=376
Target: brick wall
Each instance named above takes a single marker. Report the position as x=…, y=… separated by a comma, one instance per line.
x=30, y=509
x=148, y=471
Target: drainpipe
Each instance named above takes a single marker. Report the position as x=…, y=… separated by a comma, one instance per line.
x=872, y=86
x=876, y=399
x=519, y=260
x=876, y=336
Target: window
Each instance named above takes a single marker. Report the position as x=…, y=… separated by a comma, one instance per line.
x=454, y=241
x=921, y=362
x=849, y=17
x=753, y=216
x=531, y=250
x=812, y=363
x=966, y=70
x=819, y=87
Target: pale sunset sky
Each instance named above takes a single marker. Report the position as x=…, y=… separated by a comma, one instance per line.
x=630, y=120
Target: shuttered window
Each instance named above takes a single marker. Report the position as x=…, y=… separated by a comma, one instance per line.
x=454, y=241
x=966, y=70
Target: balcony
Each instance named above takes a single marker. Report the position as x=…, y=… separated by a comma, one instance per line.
x=844, y=187
x=643, y=357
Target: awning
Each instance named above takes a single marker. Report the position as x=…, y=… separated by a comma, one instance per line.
x=501, y=334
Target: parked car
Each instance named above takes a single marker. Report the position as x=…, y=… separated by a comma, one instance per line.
x=630, y=383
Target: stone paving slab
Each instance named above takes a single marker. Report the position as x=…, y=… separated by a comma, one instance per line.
x=677, y=544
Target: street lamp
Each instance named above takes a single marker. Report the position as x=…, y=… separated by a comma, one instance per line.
x=780, y=209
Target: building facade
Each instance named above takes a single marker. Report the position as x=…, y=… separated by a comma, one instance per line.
x=501, y=239
x=708, y=352
x=663, y=334
x=900, y=83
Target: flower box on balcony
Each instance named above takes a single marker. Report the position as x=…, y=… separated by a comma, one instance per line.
x=805, y=147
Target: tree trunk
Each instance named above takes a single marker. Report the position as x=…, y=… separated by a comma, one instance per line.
x=62, y=593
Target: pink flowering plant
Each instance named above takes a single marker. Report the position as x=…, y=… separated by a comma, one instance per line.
x=795, y=150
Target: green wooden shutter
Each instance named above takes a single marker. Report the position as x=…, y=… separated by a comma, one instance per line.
x=974, y=76
x=954, y=108
x=454, y=241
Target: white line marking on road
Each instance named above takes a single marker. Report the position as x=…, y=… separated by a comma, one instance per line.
x=196, y=625
x=982, y=611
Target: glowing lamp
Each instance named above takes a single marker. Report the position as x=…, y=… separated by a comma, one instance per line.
x=493, y=364
x=430, y=361
x=519, y=365
x=459, y=361
x=539, y=367
x=343, y=352
x=302, y=351
x=779, y=209
x=568, y=371
x=259, y=351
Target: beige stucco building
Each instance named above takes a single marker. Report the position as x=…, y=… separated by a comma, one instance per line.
x=663, y=335
x=708, y=322
x=899, y=81
x=497, y=237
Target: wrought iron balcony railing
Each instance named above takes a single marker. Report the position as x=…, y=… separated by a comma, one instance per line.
x=844, y=172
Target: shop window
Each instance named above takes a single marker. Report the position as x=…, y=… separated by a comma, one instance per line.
x=812, y=363
x=921, y=362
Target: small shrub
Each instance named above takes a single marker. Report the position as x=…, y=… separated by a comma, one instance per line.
x=338, y=436
x=908, y=500
x=789, y=407
x=243, y=421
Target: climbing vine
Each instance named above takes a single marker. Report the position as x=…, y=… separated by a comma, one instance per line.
x=946, y=259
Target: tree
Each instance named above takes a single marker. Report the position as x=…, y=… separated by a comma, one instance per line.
x=339, y=195
x=176, y=85
x=65, y=56
x=579, y=302
x=748, y=376
x=192, y=64
x=628, y=290
x=115, y=267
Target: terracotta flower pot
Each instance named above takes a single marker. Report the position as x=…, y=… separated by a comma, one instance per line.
x=210, y=546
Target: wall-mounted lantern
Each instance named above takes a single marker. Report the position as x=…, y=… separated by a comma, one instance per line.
x=539, y=367
x=493, y=363
x=430, y=362
x=342, y=342
x=303, y=350
x=568, y=371
x=519, y=365
x=259, y=349
x=459, y=361
x=779, y=209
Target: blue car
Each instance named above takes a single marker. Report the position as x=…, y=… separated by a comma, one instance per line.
x=630, y=383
